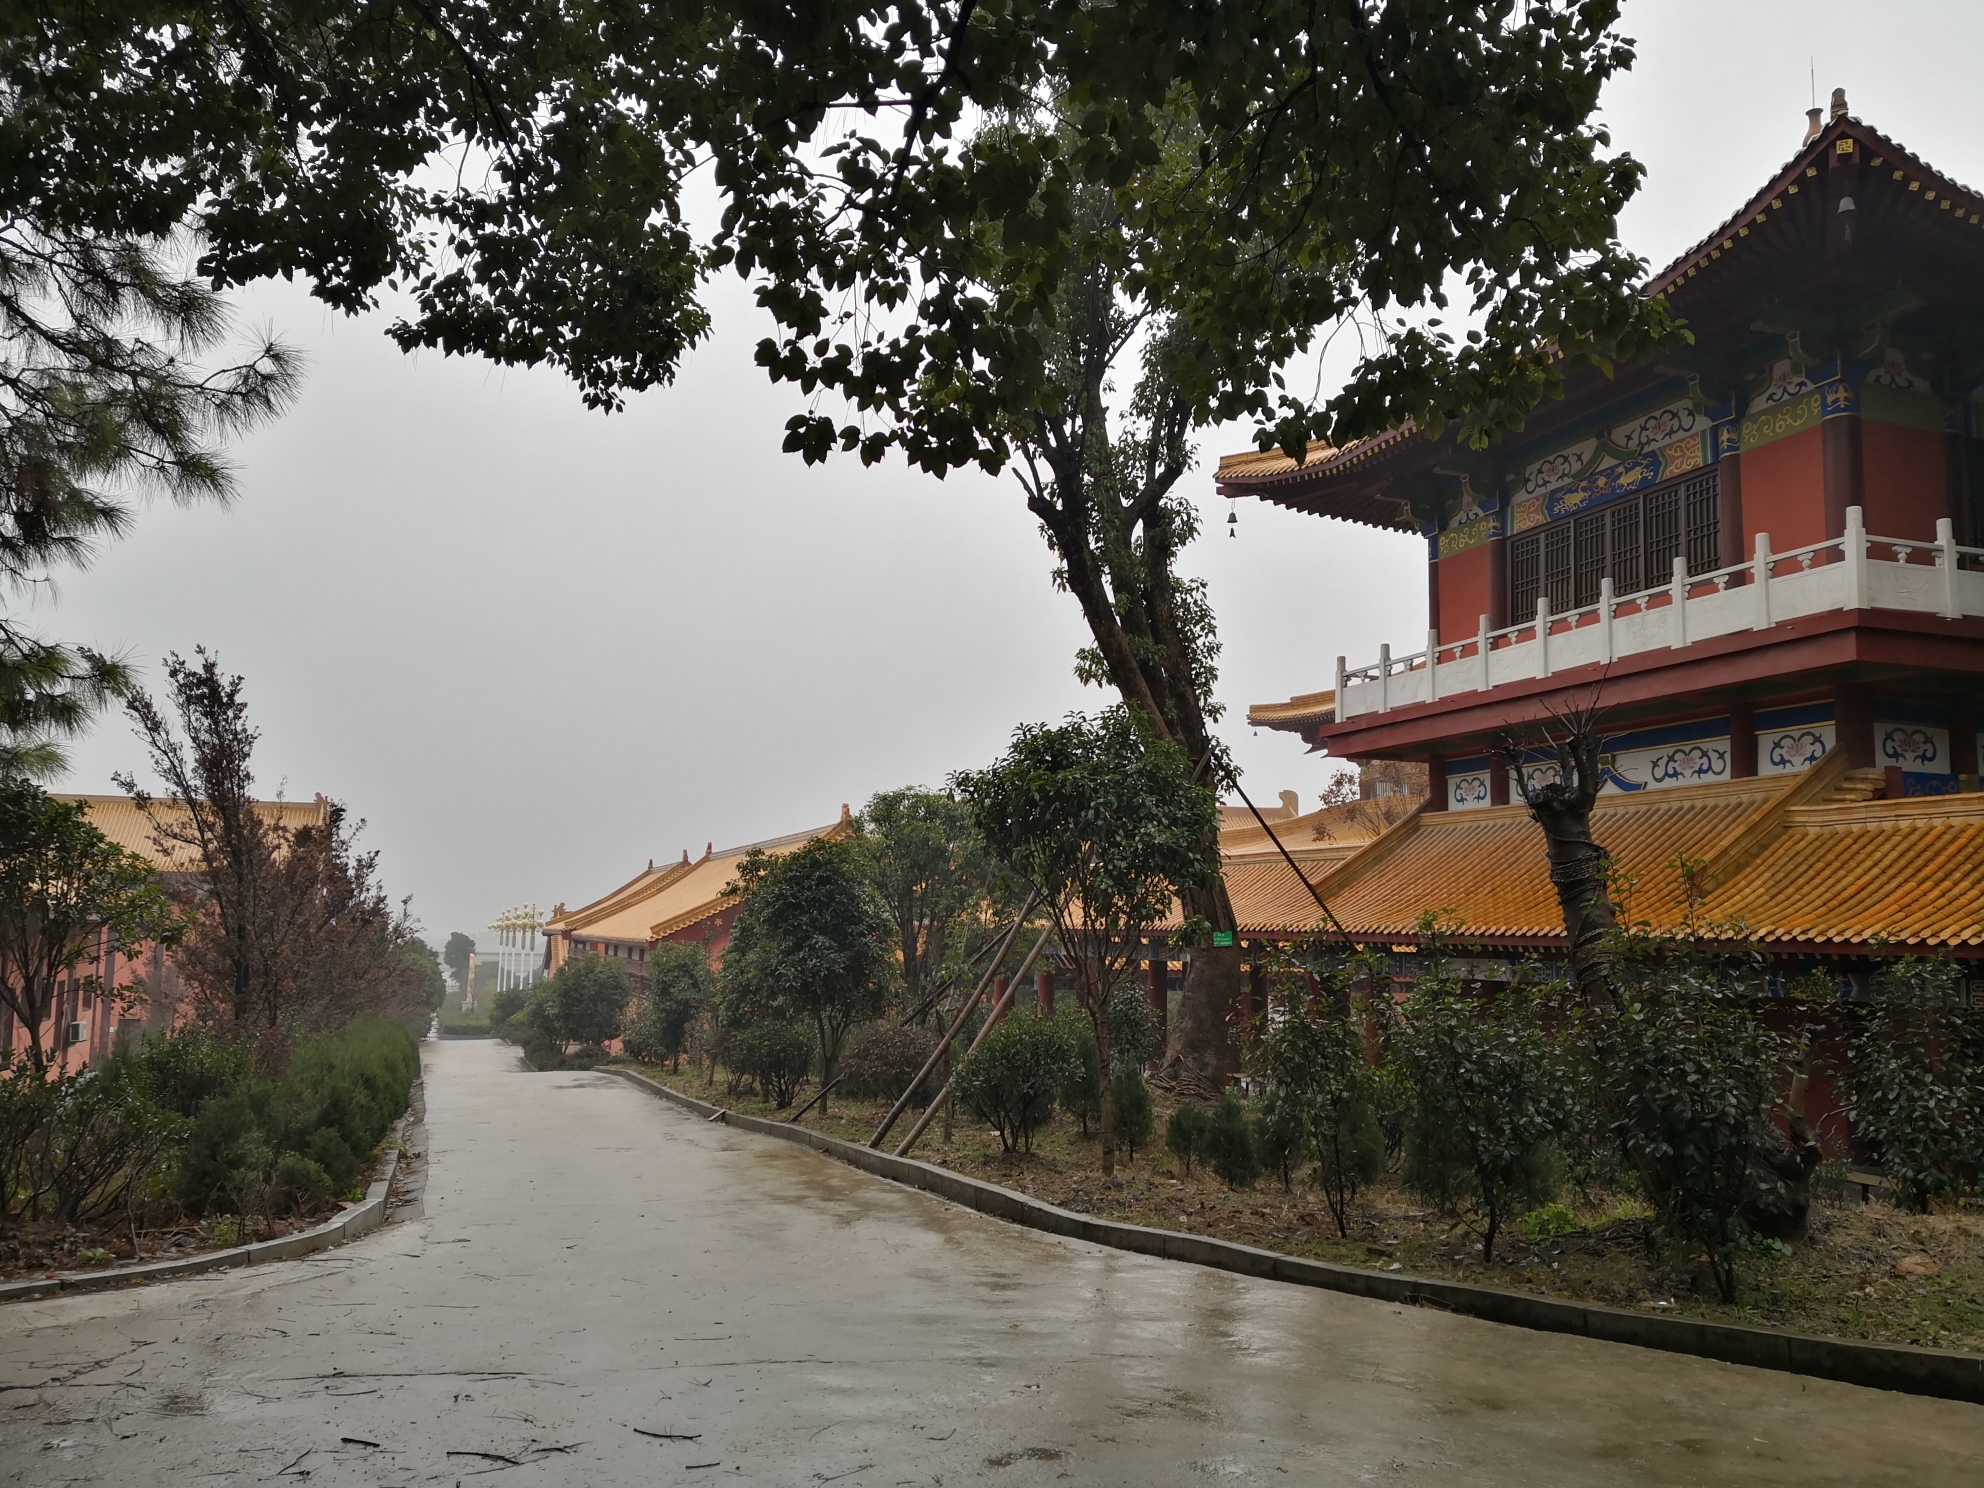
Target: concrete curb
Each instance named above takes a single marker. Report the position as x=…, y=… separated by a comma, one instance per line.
x=1942, y=1373
x=358, y=1219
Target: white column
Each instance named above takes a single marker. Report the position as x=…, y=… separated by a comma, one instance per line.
x=1606, y=600
x=1678, y=588
x=1946, y=558
x=1542, y=635
x=1856, y=559
x=1761, y=580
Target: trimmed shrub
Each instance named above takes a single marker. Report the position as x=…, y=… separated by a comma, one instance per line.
x=1916, y=1081
x=588, y=1000
x=680, y=987
x=1228, y=1144
x=778, y=1056
x=880, y=1062
x=1135, y=1114
x=1081, y=1093
x=330, y=1109
x=1184, y=1135
x=1492, y=1089
x=1010, y=1081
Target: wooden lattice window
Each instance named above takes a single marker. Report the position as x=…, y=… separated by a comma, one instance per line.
x=1634, y=542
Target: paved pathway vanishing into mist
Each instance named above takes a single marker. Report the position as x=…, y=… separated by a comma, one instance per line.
x=599, y=1276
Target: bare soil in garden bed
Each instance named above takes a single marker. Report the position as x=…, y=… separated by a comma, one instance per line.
x=1867, y=1271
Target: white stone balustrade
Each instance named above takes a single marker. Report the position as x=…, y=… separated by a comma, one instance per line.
x=1854, y=572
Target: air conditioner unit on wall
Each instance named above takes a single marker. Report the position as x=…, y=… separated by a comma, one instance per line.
x=78, y=1032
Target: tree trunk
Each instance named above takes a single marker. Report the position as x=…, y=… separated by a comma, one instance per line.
x=1107, y=1121
x=1201, y=1045
x=1578, y=866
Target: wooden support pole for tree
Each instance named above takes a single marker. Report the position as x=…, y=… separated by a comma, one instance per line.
x=957, y=1025
x=998, y=1012
x=818, y=1096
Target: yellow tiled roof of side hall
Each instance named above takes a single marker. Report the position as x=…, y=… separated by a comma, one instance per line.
x=119, y=819
x=660, y=901
x=1786, y=861
x=1909, y=873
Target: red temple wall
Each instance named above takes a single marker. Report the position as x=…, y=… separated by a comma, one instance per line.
x=1784, y=492
x=1905, y=479
x=1463, y=582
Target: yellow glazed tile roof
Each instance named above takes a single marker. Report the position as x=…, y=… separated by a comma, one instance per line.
x=661, y=901
x=1786, y=861
x=1304, y=708
x=1910, y=873
x=119, y=819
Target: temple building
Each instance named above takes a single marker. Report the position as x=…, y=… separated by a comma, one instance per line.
x=1763, y=555
x=112, y=991
x=684, y=901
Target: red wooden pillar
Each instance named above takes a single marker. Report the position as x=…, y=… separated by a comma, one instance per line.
x=1853, y=723
x=1844, y=473
x=1043, y=990
x=1436, y=784
x=1742, y=741
x=1731, y=537
x=1498, y=780
x=1963, y=736
x=998, y=991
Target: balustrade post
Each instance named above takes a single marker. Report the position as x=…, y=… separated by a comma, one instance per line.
x=1762, y=581
x=1947, y=556
x=1481, y=652
x=1385, y=678
x=1432, y=666
x=1678, y=588
x=1342, y=691
x=1606, y=600
x=1856, y=559
x=1542, y=635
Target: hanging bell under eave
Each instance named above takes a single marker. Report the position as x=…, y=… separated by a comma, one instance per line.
x=1232, y=522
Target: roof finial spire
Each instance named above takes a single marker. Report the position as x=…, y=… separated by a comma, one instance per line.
x=1839, y=103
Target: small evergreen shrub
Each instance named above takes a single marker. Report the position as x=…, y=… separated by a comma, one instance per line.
x=1135, y=1115
x=291, y=1144
x=1011, y=1081
x=1916, y=1082
x=1081, y=1092
x=1492, y=1088
x=1228, y=1144
x=881, y=1061
x=778, y=1056
x=1184, y=1134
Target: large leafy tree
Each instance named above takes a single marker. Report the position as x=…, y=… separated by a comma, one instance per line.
x=810, y=945
x=927, y=864
x=456, y=956
x=63, y=885
x=1206, y=191
x=1099, y=815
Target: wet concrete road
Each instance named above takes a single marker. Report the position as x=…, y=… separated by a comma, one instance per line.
x=604, y=1290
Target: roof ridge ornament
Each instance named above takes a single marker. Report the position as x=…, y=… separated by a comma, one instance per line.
x=1839, y=103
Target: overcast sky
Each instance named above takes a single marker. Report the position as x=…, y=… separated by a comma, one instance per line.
x=534, y=646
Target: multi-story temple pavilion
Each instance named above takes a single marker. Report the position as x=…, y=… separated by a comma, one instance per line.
x=1765, y=554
